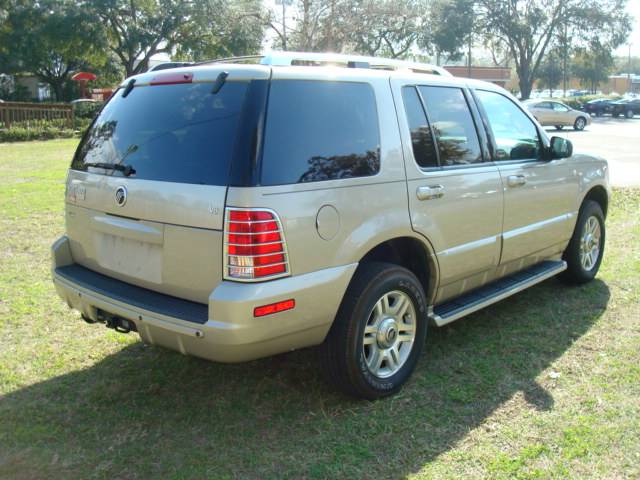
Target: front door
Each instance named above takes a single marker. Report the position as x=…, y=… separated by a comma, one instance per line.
x=539, y=195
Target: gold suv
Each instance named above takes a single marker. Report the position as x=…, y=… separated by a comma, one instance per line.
x=247, y=207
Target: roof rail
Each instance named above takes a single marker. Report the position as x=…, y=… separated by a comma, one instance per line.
x=336, y=59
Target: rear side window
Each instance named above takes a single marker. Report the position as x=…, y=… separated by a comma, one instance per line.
x=318, y=130
x=175, y=133
x=424, y=150
x=452, y=124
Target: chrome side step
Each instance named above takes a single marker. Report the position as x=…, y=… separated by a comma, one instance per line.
x=495, y=291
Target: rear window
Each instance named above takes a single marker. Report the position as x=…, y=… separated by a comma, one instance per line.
x=175, y=133
x=318, y=130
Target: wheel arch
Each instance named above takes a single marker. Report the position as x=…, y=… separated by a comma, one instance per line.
x=599, y=195
x=412, y=253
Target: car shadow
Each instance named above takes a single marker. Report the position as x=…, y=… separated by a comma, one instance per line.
x=147, y=412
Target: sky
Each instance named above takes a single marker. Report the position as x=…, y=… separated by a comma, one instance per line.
x=633, y=7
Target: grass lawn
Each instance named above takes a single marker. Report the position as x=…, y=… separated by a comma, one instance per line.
x=544, y=385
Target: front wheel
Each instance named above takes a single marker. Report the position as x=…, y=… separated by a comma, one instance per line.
x=378, y=334
x=629, y=114
x=580, y=123
x=559, y=127
x=584, y=252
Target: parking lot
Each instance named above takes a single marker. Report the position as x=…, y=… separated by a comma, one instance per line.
x=617, y=140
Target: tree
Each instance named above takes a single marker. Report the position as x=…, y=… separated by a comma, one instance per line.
x=528, y=29
x=550, y=72
x=371, y=27
x=51, y=39
x=592, y=67
x=451, y=23
x=139, y=29
x=387, y=28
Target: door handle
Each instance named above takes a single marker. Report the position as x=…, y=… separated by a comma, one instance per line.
x=430, y=192
x=516, y=180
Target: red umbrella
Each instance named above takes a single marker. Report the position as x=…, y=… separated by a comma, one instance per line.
x=83, y=78
x=86, y=76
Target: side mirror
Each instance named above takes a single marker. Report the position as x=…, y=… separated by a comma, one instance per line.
x=560, y=148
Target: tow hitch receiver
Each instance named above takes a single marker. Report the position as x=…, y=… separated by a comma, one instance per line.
x=119, y=324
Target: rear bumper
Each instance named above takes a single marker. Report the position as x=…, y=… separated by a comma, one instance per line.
x=225, y=329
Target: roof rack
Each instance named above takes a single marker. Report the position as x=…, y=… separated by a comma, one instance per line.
x=334, y=59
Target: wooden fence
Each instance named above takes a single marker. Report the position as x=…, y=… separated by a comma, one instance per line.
x=30, y=115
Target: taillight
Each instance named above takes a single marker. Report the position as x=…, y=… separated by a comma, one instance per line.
x=254, y=245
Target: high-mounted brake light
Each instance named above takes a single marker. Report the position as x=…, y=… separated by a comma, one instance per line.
x=255, y=248
x=171, y=78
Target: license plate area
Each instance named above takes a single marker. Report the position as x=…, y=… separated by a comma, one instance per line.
x=131, y=257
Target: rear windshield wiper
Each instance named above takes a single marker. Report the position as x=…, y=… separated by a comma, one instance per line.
x=125, y=169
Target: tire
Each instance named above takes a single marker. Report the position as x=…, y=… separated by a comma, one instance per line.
x=629, y=114
x=578, y=271
x=344, y=355
x=615, y=114
x=559, y=127
x=580, y=123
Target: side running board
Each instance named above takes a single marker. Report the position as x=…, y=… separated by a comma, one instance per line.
x=494, y=292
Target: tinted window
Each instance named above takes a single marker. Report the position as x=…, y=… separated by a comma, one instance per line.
x=319, y=131
x=424, y=150
x=452, y=124
x=176, y=133
x=515, y=134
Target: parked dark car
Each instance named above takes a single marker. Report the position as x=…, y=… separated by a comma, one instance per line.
x=628, y=108
x=598, y=107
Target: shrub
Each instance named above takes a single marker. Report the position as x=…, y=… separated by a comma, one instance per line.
x=86, y=109
x=22, y=134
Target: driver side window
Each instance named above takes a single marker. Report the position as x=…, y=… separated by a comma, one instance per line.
x=515, y=135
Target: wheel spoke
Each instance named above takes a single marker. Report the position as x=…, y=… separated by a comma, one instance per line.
x=402, y=307
x=375, y=360
x=407, y=337
x=379, y=310
x=369, y=339
x=370, y=329
x=385, y=304
x=393, y=359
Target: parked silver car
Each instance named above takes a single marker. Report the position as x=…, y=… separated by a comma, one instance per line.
x=549, y=112
x=236, y=210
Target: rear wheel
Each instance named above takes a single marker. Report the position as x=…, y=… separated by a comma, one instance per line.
x=559, y=127
x=580, y=123
x=584, y=252
x=378, y=333
x=628, y=114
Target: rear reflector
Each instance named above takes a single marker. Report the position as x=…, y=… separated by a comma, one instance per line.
x=255, y=248
x=171, y=78
x=274, y=308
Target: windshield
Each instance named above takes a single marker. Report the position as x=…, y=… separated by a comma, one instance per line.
x=176, y=133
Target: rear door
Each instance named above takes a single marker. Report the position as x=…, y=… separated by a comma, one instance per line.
x=455, y=198
x=146, y=189
x=543, y=113
x=539, y=195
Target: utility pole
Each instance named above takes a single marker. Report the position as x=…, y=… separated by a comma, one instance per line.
x=629, y=85
x=469, y=58
x=565, y=48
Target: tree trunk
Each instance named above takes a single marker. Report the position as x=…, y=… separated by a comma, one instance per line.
x=57, y=88
x=526, y=84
